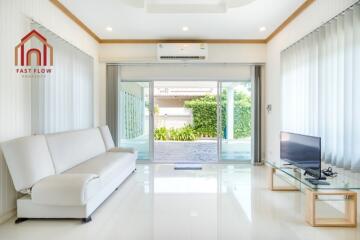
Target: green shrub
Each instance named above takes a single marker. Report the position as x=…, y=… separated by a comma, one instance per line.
x=204, y=111
x=204, y=115
x=242, y=120
x=160, y=134
x=186, y=133
x=173, y=134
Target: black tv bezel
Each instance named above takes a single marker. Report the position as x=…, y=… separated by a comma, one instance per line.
x=306, y=170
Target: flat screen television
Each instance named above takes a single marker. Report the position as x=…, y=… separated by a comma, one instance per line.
x=302, y=151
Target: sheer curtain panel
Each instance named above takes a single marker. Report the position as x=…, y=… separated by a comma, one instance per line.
x=62, y=100
x=321, y=88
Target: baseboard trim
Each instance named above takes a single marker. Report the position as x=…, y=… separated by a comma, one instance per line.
x=6, y=216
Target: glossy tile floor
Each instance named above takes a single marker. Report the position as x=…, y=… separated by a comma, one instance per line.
x=220, y=202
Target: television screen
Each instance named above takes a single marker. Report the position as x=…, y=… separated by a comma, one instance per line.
x=301, y=151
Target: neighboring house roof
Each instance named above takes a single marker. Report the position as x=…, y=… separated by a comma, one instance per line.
x=172, y=92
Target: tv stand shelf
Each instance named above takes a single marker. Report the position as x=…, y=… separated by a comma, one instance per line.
x=340, y=186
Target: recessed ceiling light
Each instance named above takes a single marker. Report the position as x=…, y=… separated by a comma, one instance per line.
x=185, y=28
x=262, y=29
x=109, y=29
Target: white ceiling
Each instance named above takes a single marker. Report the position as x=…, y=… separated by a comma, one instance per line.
x=130, y=20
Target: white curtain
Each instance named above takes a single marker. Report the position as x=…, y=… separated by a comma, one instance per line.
x=321, y=88
x=63, y=100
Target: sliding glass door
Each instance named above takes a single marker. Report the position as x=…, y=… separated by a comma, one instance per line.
x=202, y=113
x=234, y=121
x=185, y=121
x=188, y=120
x=134, y=119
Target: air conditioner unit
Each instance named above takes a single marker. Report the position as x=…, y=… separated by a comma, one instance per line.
x=182, y=52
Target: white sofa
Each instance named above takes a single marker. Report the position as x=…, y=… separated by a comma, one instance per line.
x=66, y=175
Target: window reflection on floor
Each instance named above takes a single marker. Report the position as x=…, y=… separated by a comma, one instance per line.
x=185, y=185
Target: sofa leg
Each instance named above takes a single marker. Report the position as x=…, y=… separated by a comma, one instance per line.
x=86, y=220
x=20, y=220
x=134, y=170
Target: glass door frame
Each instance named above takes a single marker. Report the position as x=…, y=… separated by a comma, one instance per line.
x=151, y=116
x=151, y=107
x=151, y=121
x=219, y=119
x=219, y=122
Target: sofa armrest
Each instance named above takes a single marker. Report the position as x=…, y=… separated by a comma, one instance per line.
x=66, y=189
x=123, y=149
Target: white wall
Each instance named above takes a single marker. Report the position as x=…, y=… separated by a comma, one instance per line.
x=189, y=72
x=318, y=13
x=15, y=16
x=219, y=53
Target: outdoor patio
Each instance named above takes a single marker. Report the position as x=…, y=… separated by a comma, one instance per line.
x=200, y=151
x=191, y=151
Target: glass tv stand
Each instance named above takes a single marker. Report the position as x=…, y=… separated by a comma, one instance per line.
x=340, y=186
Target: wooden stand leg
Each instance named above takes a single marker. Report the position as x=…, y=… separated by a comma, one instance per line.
x=279, y=188
x=86, y=220
x=350, y=218
x=310, y=207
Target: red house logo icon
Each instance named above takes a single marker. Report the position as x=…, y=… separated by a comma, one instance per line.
x=41, y=54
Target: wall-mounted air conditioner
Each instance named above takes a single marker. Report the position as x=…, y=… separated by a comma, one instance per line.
x=182, y=52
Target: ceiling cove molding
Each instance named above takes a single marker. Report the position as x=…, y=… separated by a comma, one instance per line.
x=220, y=6
x=67, y=12
x=155, y=41
x=295, y=14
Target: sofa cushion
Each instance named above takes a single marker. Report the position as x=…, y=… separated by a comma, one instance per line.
x=69, y=149
x=66, y=189
x=106, y=135
x=107, y=165
x=28, y=160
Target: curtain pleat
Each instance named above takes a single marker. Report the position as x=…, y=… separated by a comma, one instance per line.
x=321, y=88
x=63, y=100
x=256, y=87
x=112, y=101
